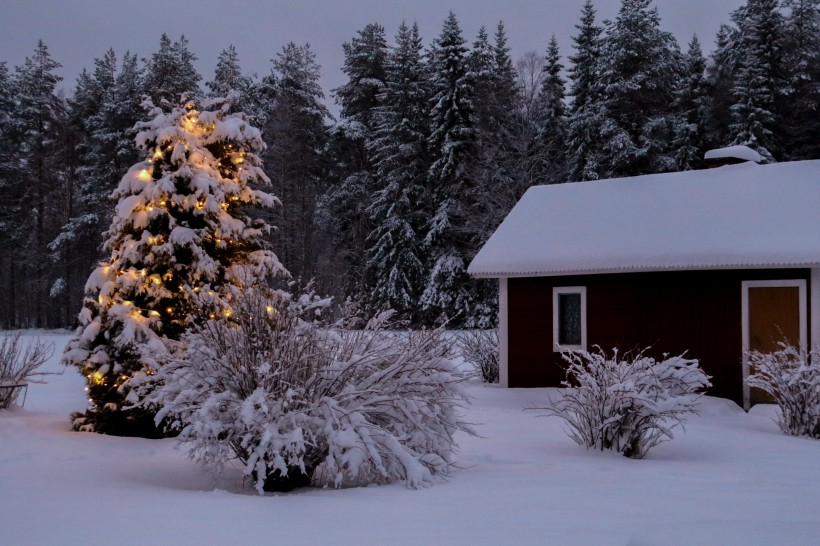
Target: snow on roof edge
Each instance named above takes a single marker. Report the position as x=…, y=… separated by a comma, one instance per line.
x=638, y=269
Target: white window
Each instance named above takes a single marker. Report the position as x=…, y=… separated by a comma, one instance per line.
x=569, y=318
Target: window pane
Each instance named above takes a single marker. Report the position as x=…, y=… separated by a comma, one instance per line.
x=569, y=319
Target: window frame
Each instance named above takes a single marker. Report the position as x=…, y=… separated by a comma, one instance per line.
x=557, y=291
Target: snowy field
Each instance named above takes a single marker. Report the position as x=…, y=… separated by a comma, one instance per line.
x=732, y=478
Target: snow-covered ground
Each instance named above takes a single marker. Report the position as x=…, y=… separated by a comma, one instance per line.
x=733, y=478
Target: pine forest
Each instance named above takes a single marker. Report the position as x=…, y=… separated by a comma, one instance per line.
x=384, y=205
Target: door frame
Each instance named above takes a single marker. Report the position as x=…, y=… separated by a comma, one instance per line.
x=800, y=284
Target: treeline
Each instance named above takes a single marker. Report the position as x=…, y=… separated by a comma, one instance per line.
x=386, y=206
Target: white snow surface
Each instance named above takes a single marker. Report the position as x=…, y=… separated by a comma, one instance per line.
x=732, y=478
x=737, y=152
x=737, y=216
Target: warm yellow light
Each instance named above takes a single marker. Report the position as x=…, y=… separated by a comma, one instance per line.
x=227, y=312
x=224, y=206
x=169, y=310
x=154, y=313
x=97, y=378
x=144, y=175
x=269, y=308
x=158, y=154
x=162, y=203
x=156, y=280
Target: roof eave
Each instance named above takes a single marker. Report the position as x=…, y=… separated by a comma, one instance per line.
x=641, y=269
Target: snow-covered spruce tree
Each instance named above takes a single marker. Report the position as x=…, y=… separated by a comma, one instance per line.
x=32, y=193
x=170, y=73
x=640, y=68
x=230, y=81
x=394, y=257
x=347, y=199
x=295, y=158
x=801, y=60
x=758, y=81
x=628, y=403
x=587, y=120
x=298, y=404
x=106, y=106
x=691, y=107
x=449, y=295
x=180, y=245
x=552, y=115
x=792, y=377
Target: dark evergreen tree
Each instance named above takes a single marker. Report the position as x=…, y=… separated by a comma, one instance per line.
x=229, y=80
x=552, y=118
x=394, y=258
x=346, y=201
x=639, y=69
x=801, y=60
x=493, y=161
x=450, y=295
x=181, y=246
x=105, y=109
x=691, y=107
x=10, y=212
x=759, y=83
x=720, y=84
x=295, y=159
x=37, y=109
x=170, y=73
x=588, y=121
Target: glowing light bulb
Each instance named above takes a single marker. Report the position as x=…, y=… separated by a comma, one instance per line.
x=144, y=175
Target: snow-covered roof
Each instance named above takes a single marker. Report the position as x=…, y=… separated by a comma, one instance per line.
x=737, y=216
x=734, y=152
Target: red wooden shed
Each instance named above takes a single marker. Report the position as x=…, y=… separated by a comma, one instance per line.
x=712, y=262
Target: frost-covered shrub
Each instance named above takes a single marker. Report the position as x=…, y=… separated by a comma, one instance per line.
x=627, y=404
x=19, y=364
x=792, y=377
x=480, y=348
x=284, y=396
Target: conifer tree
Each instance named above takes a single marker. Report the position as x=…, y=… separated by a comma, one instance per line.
x=449, y=295
x=170, y=73
x=394, y=262
x=107, y=105
x=9, y=214
x=587, y=123
x=295, y=159
x=37, y=109
x=690, y=104
x=640, y=68
x=801, y=60
x=758, y=81
x=228, y=78
x=552, y=116
x=720, y=83
x=181, y=244
x=347, y=200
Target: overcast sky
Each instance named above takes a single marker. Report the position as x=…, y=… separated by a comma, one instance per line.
x=77, y=31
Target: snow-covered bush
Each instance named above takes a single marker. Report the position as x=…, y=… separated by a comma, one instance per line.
x=19, y=364
x=792, y=377
x=627, y=404
x=480, y=348
x=284, y=397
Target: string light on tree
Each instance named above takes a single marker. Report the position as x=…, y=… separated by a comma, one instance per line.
x=178, y=247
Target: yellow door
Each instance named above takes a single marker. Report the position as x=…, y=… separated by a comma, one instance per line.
x=774, y=318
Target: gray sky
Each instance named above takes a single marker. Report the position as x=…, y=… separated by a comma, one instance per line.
x=77, y=31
